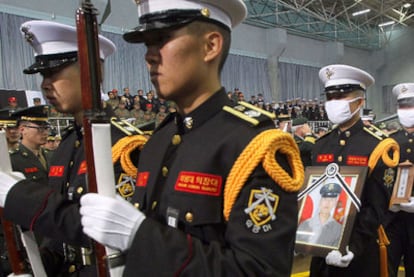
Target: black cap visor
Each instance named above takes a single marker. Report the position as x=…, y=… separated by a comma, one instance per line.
x=166, y=19
x=51, y=62
x=341, y=91
x=405, y=102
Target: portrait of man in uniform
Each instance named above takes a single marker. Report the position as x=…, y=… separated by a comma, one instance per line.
x=327, y=209
x=324, y=227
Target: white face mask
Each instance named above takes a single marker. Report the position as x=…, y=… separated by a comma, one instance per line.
x=338, y=111
x=406, y=117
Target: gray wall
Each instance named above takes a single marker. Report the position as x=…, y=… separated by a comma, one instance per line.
x=391, y=65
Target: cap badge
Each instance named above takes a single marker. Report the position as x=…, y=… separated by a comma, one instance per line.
x=404, y=89
x=329, y=73
x=205, y=12
x=188, y=122
x=28, y=35
x=138, y=2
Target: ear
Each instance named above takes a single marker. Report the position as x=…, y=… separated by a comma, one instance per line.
x=213, y=45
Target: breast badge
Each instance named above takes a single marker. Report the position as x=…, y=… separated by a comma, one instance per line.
x=125, y=186
x=261, y=209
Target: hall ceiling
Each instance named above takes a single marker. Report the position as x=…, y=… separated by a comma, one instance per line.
x=333, y=19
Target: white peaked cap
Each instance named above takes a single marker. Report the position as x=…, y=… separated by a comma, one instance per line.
x=49, y=38
x=337, y=75
x=404, y=90
x=227, y=12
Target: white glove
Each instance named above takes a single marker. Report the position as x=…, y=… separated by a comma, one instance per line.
x=112, y=222
x=395, y=208
x=7, y=180
x=335, y=258
x=408, y=207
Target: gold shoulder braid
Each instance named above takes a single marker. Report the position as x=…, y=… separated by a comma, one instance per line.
x=122, y=150
x=262, y=149
x=382, y=151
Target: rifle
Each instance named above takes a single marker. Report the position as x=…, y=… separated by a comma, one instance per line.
x=14, y=249
x=96, y=124
x=90, y=69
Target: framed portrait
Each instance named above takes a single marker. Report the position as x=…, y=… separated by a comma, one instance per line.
x=403, y=186
x=328, y=204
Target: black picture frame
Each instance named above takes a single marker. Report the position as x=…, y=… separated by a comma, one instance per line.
x=313, y=237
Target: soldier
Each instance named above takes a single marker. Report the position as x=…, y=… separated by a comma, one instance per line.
x=285, y=122
x=190, y=214
x=351, y=144
x=302, y=133
x=30, y=157
x=12, y=104
x=54, y=208
x=323, y=228
x=9, y=124
x=37, y=101
x=399, y=224
x=113, y=100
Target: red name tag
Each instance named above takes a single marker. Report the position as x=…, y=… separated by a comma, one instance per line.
x=31, y=170
x=199, y=183
x=142, y=179
x=82, y=168
x=357, y=160
x=56, y=171
x=325, y=158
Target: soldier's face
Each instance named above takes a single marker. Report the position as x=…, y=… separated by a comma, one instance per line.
x=12, y=135
x=33, y=134
x=62, y=88
x=175, y=60
x=327, y=204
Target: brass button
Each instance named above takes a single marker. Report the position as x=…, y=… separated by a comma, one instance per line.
x=34, y=178
x=340, y=159
x=77, y=144
x=176, y=139
x=136, y=205
x=154, y=204
x=410, y=140
x=342, y=142
x=164, y=171
x=347, y=134
x=408, y=150
x=72, y=268
x=189, y=217
x=79, y=190
x=67, y=184
x=71, y=164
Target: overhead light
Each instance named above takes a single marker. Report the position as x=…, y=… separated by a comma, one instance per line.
x=407, y=5
x=386, y=23
x=361, y=12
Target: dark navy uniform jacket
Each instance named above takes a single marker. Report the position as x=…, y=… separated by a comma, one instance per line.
x=25, y=161
x=53, y=210
x=183, y=170
x=353, y=148
x=400, y=225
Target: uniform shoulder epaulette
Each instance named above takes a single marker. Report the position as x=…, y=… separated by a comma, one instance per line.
x=390, y=133
x=14, y=151
x=125, y=127
x=66, y=131
x=375, y=132
x=250, y=113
